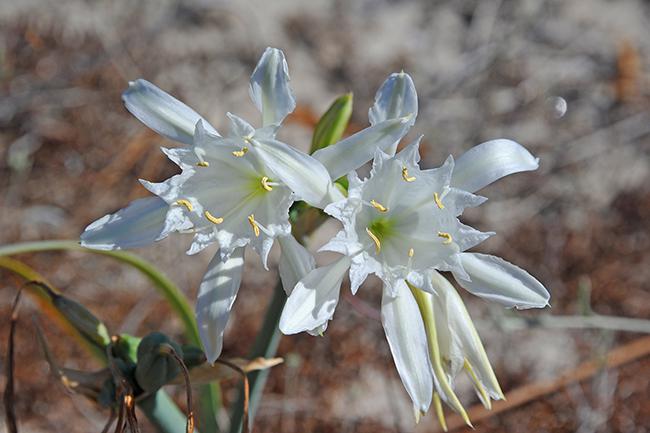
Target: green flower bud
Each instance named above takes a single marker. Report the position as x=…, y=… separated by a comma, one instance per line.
x=85, y=322
x=156, y=365
x=332, y=125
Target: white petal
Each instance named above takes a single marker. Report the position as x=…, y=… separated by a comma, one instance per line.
x=463, y=333
x=295, y=262
x=408, y=343
x=304, y=175
x=217, y=293
x=239, y=127
x=490, y=161
x=269, y=88
x=162, y=112
x=395, y=98
x=356, y=150
x=497, y=280
x=139, y=224
x=411, y=152
x=314, y=298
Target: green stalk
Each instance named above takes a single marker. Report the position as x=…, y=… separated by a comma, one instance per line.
x=163, y=413
x=266, y=345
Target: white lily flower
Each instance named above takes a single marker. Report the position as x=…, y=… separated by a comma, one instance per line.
x=402, y=225
x=234, y=190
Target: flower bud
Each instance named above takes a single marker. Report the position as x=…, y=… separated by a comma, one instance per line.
x=156, y=364
x=85, y=322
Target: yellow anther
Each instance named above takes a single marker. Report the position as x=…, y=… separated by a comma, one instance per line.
x=375, y=239
x=436, y=198
x=253, y=223
x=203, y=164
x=240, y=153
x=265, y=184
x=380, y=207
x=446, y=236
x=213, y=219
x=411, y=252
x=405, y=175
x=185, y=203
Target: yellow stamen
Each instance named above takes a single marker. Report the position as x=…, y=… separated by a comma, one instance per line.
x=253, y=223
x=436, y=198
x=203, y=164
x=485, y=398
x=240, y=153
x=265, y=184
x=213, y=219
x=405, y=175
x=380, y=207
x=375, y=239
x=446, y=236
x=411, y=252
x=185, y=203
x=437, y=404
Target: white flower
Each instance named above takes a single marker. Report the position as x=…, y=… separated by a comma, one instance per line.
x=233, y=190
x=402, y=225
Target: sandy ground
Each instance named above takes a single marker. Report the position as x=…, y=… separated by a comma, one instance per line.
x=569, y=80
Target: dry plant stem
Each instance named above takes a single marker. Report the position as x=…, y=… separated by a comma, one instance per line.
x=615, y=358
x=8, y=396
x=246, y=388
x=189, y=428
x=110, y=421
x=612, y=323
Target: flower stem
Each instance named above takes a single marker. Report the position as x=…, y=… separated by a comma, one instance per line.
x=266, y=345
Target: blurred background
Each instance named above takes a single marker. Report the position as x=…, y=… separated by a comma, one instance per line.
x=569, y=80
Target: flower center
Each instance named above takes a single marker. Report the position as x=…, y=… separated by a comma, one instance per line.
x=382, y=227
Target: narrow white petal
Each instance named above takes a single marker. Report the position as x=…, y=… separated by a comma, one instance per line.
x=395, y=98
x=139, y=224
x=462, y=333
x=489, y=162
x=356, y=150
x=269, y=88
x=303, y=174
x=314, y=298
x=162, y=112
x=408, y=343
x=295, y=262
x=495, y=279
x=217, y=293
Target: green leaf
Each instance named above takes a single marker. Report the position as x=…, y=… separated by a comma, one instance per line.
x=332, y=125
x=172, y=294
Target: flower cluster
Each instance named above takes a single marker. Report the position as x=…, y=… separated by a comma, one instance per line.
x=401, y=224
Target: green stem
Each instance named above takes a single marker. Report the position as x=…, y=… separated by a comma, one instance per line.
x=266, y=345
x=163, y=413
